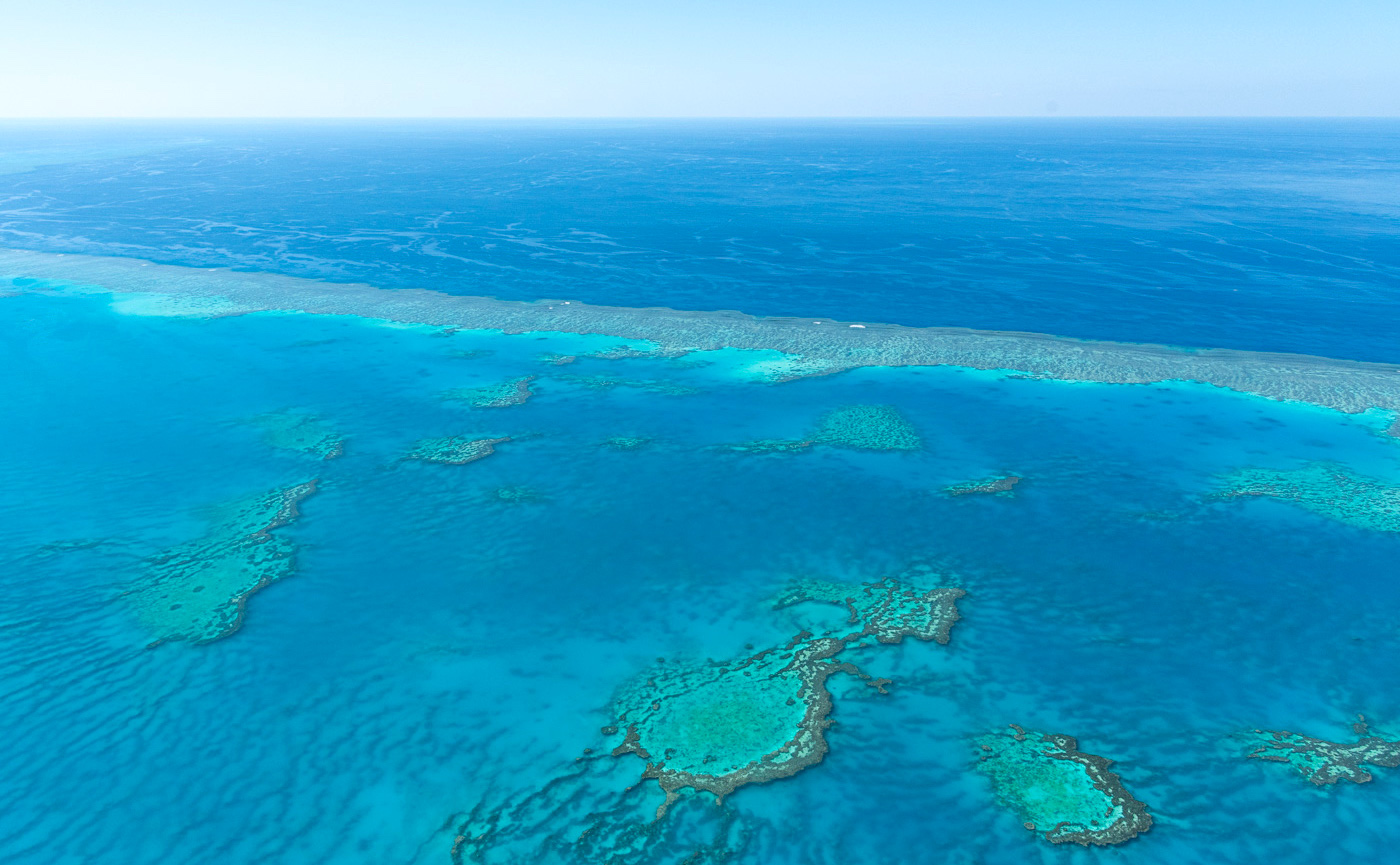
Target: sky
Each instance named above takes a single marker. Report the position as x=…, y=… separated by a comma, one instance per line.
x=680, y=58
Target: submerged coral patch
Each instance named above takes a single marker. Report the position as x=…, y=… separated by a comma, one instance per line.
x=1326, y=489
x=626, y=443
x=1323, y=762
x=768, y=446
x=608, y=382
x=1003, y=485
x=517, y=495
x=623, y=352
x=303, y=433
x=197, y=591
x=788, y=367
x=867, y=427
x=454, y=450
x=1059, y=791
x=511, y=392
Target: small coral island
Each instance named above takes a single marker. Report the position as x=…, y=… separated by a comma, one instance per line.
x=717, y=726
x=197, y=591
x=1059, y=791
x=1323, y=762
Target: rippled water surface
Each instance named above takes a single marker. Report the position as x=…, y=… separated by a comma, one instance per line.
x=424, y=672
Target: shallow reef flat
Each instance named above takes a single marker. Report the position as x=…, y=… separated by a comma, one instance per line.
x=717, y=726
x=816, y=347
x=1323, y=762
x=1058, y=791
x=515, y=391
x=1326, y=489
x=198, y=590
x=454, y=450
x=302, y=433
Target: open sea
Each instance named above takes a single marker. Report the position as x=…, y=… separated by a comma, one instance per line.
x=294, y=587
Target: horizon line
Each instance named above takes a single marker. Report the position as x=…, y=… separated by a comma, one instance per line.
x=688, y=117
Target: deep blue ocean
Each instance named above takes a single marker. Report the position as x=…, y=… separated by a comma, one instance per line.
x=450, y=637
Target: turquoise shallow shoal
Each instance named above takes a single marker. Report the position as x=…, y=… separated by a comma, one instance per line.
x=438, y=651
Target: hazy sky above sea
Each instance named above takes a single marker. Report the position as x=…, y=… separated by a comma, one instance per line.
x=425, y=58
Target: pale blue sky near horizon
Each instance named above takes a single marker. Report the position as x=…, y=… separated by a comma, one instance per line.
x=626, y=58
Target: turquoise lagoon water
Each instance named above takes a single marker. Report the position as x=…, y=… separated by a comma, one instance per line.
x=450, y=638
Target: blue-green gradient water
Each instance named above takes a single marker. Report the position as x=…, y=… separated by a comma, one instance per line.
x=439, y=650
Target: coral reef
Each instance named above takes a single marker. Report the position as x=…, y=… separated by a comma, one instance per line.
x=999, y=486
x=623, y=352
x=590, y=813
x=626, y=443
x=858, y=427
x=511, y=392
x=716, y=727
x=1326, y=489
x=608, y=382
x=720, y=725
x=197, y=591
x=557, y=359
x=1059, y=791
x=767, y=446
x=1324, y=762
x=517, y=495
x=867, y=427
x=454, y=450
x=303, y=433
x=825, y=347
x=887, y=611
x=790, y=366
